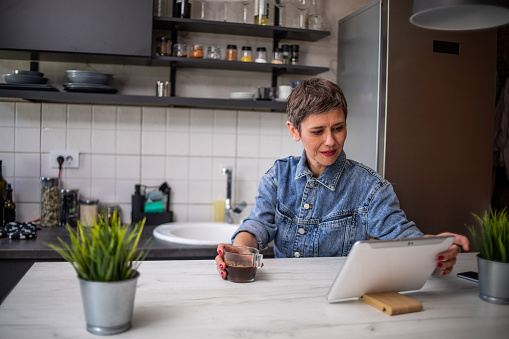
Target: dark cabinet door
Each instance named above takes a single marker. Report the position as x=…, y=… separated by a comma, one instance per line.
x=118, y=27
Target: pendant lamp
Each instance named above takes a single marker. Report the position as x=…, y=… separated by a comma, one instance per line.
x=460, y=15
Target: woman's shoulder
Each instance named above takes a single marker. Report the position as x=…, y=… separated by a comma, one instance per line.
x=362, y=170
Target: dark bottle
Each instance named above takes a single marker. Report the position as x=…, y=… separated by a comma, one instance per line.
x=3, y=195
x=182, y=9
x=9, y=207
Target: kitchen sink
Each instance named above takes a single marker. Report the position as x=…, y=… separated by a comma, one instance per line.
x=195, y=233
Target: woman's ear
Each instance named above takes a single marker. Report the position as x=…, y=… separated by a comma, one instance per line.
x=293, y=131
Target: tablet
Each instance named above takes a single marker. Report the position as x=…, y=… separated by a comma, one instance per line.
x=387, y=265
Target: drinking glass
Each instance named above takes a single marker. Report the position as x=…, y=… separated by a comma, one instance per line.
x=280, y=4
x=245, y=3
x=302, y=6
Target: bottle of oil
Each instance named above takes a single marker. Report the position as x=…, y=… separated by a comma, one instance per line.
x=3, y=195
x=182, y=9
x=261, y=12
x=9, y=207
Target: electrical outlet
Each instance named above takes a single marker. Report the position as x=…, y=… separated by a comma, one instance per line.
x=71, y=159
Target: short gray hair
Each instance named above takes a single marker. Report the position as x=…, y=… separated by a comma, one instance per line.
x=314, y=96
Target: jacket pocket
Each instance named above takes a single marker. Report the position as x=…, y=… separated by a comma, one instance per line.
x=336, y=235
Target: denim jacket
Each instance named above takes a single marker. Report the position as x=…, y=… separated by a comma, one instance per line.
x=308, y=217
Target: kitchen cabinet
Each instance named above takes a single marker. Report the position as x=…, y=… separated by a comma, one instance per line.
x=173, y=26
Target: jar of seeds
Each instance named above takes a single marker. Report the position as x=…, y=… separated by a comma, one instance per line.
x=50, y=201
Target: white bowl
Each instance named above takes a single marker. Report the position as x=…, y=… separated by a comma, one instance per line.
x=242, y=95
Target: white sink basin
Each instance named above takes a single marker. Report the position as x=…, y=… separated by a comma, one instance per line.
x=195, y=233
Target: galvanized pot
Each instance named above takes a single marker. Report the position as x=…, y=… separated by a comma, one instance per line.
x=108, y=305
x=493, y=281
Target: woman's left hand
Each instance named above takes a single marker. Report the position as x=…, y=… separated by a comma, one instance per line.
x=447, y=259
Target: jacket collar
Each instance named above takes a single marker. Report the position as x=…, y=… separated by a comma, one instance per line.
x=329, y=178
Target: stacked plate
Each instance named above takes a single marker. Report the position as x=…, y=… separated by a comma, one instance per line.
x=20, y=79
x=87, y=81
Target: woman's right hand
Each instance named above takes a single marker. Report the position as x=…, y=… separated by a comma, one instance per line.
x=220, y=264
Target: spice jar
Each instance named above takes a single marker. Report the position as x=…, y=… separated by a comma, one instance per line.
x=163, y=46
x=50, y=201
x=286, y=54
x=89, y=210
x=214, y=52
x=196, y=51
x=261, y=55
x=246, y=54
x=278, y=56
x=180, y=50
x=231, y=53
x=294, y=60
x=69, y=208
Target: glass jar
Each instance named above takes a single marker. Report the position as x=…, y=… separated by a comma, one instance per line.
x=278, y=56
x=182, y=8
x=89, y=209
x=69, y=207
x=261, y=55
x=163, y=46
x=261, y=12
x=214, y=52
x=294, y=60
x=180, y=50
x=231, y=53
x=196, y=51
x=286, y=54
x=50, y=201
x=246, y=55
x=108, y=210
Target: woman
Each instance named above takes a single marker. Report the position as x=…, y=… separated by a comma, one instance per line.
x=321, y=203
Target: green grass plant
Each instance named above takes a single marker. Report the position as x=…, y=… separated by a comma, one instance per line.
x=105, y=251
x=492, y=235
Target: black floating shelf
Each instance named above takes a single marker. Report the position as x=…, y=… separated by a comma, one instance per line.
x=236, y=65
x=142, y=100
x=233, y=28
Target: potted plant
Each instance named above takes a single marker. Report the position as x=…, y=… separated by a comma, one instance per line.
x=492, y=239
x=104, y=257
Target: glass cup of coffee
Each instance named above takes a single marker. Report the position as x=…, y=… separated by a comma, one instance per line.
x=242, y=263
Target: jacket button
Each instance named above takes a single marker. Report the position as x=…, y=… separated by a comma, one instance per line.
x=301, y=231
x=306, y=206
x=296, y=254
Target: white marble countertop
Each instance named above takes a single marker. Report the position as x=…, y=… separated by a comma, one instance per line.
x=187, y=299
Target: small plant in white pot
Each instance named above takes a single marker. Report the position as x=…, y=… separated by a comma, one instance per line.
x=492, y=239
x=104, y=257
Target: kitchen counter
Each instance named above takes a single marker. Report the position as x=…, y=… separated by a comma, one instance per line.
x=187, y=299
x=35, y=249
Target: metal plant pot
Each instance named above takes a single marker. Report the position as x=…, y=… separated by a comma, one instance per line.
x=493, y=281
x=108, y=305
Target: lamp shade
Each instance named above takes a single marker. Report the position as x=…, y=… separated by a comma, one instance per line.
x=460, y=15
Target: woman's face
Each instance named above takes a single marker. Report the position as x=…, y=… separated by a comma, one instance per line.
x=323, y=137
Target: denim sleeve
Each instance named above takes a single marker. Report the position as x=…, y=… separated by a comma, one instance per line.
x=261, y=219
x=385, y=219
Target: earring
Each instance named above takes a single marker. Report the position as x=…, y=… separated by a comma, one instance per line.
x=296, y=139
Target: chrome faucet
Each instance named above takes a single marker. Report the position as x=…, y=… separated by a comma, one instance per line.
x=229, y=213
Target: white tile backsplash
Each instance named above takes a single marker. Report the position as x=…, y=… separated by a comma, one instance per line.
x=54, y=115
x=79, y=116
x=7, y=114
x=121, y=146
x=6, y=139
x=27, y=140
x=28, y=115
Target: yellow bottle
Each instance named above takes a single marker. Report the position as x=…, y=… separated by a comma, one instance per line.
x=261, y=12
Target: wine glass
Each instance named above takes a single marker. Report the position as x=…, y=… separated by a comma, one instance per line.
x=280, y=4
x=245, y=3
x=302, y=6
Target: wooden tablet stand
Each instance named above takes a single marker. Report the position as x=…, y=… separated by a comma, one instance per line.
x=392, y=302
